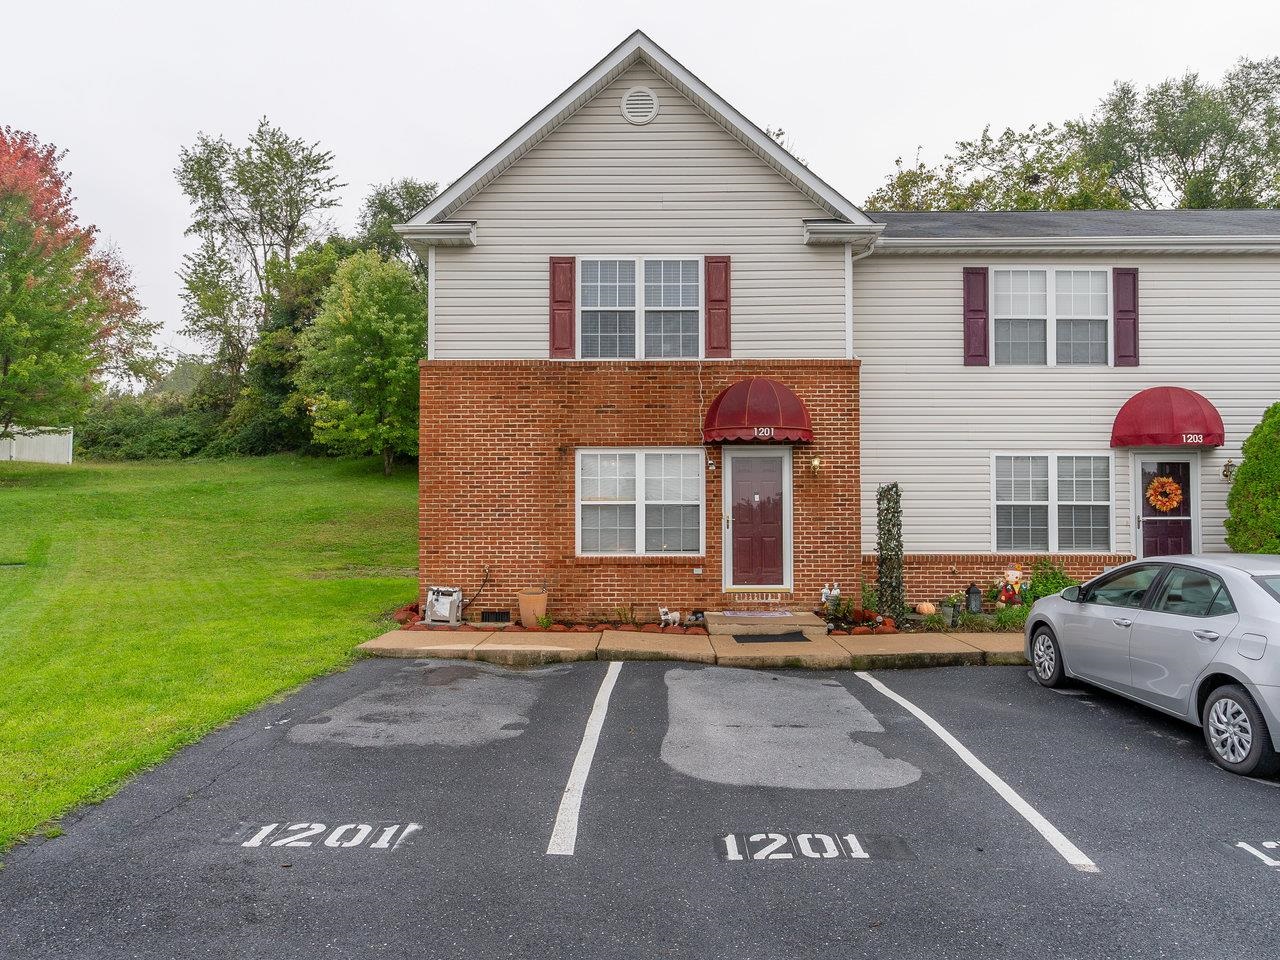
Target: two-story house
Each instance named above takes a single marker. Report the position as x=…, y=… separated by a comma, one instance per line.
x=669, y=365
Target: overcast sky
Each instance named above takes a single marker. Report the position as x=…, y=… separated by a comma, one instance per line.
x=425, y=89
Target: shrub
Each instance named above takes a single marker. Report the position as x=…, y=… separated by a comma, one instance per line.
x=891, y=602
x=934, y=622
x=1253, y=505
x=870, y=602
x=975, y=623
x=1047, y=578
x=1012, y=618
x=128, y=427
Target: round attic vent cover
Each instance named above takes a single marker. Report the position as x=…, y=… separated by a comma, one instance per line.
x=639, y=105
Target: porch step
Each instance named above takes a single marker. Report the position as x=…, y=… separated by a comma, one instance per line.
x=729, y=622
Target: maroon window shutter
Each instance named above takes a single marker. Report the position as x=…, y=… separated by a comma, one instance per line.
x=716, y=278
x=975, y=317
x=1124, y=287
x=563, y=289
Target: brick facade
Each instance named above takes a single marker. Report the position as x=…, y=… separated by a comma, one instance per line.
x=930, y=576
x=497, y=480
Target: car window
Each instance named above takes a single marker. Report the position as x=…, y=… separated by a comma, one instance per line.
x=1193, y=593
x=1127, y=588
x=1271, y=584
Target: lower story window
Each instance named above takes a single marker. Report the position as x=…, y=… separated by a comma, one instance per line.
x=640, y=502
x=1049, y=502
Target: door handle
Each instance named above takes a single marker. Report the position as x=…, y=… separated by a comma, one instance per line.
x=728, y=521
x=1122, y=622
x=1208, y=636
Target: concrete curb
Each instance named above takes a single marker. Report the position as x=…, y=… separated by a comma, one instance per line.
x=889, y=651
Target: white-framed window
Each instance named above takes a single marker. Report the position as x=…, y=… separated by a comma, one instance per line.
x=640, y=502
x=1046, y=502
x=1042, y=316
x=632, y=308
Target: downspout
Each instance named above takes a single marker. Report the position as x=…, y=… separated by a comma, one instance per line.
x=849, y=260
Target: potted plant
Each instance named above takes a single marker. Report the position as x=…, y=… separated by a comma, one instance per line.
x=951, y=607
x=533, y=606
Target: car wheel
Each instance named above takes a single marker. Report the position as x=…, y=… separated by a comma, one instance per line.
x=1046, y=658
x=1236, y=734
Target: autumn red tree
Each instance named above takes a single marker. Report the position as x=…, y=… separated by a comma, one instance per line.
x=69, y=318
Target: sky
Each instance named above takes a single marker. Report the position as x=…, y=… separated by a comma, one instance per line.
x=425, y=89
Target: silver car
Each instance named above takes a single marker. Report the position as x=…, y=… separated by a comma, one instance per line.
x=1195, y=636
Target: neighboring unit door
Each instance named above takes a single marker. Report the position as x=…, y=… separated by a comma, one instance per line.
x=1174, y=641
x=1095, y=640
x=757, y=519
x=1164, y=529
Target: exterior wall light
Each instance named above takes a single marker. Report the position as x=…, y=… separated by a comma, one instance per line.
x=1228, y=470
x=815, y=464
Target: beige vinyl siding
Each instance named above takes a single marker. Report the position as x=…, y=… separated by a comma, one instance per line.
x=1208, y=323
x=680, y=185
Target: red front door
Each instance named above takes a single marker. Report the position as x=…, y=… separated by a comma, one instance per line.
x=1166, y=528
x=757, y=519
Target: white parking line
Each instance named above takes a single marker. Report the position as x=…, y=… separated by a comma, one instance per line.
x=565, y=835
x=1068, y=850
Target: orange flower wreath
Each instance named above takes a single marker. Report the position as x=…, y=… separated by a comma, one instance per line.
x=1164, y=493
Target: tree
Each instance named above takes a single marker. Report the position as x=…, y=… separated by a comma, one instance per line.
x=1253, y=505
x=387, y=205
x=68, y=316
x=258, y=201
x=359, y=369
x=1040, y=168
x=1181, y=143
x=1187, y=143
x=253, y=205
x=219, y=312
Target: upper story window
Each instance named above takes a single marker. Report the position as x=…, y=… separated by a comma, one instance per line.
x=633, y=308
x=1044, y=317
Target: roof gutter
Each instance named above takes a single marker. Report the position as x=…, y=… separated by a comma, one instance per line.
x=1263, y=244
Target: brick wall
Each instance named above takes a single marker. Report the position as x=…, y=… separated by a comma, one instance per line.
x=934, y=576
x=497, y=479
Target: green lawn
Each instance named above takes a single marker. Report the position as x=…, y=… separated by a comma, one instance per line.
x=143, y=604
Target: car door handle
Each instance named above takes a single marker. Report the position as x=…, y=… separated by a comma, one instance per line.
x=1122, y=622
x=1206, y=635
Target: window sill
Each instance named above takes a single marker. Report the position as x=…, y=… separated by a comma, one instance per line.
x=631, y=560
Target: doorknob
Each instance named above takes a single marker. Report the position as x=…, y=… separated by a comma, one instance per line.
x=1122, y=622
x=1206, y=635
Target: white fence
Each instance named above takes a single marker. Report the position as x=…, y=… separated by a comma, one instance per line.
x=38, y=447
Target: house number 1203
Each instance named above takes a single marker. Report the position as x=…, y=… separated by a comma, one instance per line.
x=1193, y=438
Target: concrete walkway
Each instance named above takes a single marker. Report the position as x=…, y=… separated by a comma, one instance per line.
x=819, y=652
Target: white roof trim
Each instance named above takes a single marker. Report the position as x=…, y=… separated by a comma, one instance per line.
x=637, y=47
x=450, y=233
x=818, y=232
x=1266, y=244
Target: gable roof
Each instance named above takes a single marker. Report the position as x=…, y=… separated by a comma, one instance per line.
x=637, y=48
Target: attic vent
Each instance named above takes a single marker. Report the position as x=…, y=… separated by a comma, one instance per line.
x=639, y=105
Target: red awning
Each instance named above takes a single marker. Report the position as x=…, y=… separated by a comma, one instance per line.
x=1167, y=417
x=757, y=409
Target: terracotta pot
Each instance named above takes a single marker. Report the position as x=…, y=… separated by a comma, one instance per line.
x=533, y=604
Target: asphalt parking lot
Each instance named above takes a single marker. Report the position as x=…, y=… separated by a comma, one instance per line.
x=449, y=809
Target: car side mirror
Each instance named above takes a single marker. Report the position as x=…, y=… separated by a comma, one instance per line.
x=1071, y=594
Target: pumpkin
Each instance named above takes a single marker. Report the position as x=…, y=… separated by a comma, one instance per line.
x=926, y=609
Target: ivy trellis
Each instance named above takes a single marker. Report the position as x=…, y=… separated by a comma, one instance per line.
x=889, y=591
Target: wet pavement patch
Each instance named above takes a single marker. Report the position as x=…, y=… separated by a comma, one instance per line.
x=749, y=728
x=452, y=705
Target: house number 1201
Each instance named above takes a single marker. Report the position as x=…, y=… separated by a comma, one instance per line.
x=344, y=836
x=764, y=433
x=791, y=846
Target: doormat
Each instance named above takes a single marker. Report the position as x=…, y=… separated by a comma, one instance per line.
x=757, y=613
x=793, y=636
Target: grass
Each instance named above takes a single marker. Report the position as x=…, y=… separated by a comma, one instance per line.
x=144, y=604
